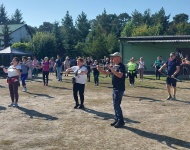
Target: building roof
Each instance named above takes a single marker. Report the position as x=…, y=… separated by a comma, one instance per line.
x=157, y=39
x=10, y=50
x=12, y=27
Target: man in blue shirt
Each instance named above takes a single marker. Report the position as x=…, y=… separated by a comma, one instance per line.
x=173, y=67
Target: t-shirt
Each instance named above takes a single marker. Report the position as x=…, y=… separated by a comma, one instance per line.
x=24, y=67
x=119, y=83
x=13, y=72
x=141, y=64
x=80, y=78
x=45, y=66
x=158, y=63
x=95, y=70
x=171, y=66
x=131, y=66
x=59, y=63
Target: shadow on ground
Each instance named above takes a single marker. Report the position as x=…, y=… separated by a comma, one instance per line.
x=171, y=142
x=56, y=87
x=107, y=116
x=140, y=98
x=34, y=113
x=2, y=108
x=40, y=95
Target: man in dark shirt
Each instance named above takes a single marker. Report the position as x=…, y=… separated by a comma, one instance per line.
x=118, y=81
x=173, y=67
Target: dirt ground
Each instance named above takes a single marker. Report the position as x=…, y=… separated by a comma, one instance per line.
x=46, y=119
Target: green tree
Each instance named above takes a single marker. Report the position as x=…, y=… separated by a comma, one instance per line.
x=161, y=18
x=23, y=46
x=58, y=37
x=141, y=31
x=6, y=36
x=46, y=27
x=43, y=44
x=128, y=29
x=82, y=26
x=3, y=15
x=17, y=17
x=137, y=18
x=112, y=43
x=179, y=18
x=69, y=34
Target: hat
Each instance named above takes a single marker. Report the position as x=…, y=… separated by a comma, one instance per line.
x=116, y=54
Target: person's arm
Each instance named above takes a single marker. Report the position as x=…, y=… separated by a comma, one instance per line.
x=160, y=70
x=4, y=69
x=176, y=72
x=106, y=72
x=83, y=72
x=118, y=74
x=68, y=70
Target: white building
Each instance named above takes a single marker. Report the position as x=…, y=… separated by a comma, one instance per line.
x=18, y=33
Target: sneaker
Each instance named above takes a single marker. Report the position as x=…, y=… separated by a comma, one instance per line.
x=24, y=90
x=174, y=98
x=113, y=124
x=130, y=84
x=15, y=105
x=11, y=105
x=76, y=106
x=119, y=124
x=81, y=106
x=169, y=97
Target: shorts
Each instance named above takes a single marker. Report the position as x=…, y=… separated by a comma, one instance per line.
x=171, y=81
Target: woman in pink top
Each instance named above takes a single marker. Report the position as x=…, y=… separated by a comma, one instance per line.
x=45, y=69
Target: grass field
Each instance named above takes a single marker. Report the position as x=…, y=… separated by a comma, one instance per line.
x=46, y=119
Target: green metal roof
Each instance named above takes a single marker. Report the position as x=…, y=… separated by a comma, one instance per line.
x=12, y=27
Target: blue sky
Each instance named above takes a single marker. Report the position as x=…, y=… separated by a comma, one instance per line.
x=35, y=12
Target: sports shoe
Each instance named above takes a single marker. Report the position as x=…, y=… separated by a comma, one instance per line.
x=119, y=124
x=24, y=89
x=81, y=106
x=112, y=124
x=169, y=97
x=15, y=105
x=11, y=105
x=76, y=106
x=174, y=98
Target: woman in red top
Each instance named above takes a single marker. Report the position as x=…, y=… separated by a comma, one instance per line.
x=45, y=69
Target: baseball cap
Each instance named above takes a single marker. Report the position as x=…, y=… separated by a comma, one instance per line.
x=116, y=54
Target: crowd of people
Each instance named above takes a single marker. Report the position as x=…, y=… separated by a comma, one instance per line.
x=82, y=69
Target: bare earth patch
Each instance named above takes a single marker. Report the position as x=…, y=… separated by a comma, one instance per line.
x=46, y=119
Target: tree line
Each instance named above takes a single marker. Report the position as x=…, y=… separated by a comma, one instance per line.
x=97, y=37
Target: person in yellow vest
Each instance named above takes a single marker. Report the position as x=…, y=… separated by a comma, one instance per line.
x=132, y=66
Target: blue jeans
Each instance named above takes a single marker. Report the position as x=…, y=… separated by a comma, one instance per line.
x=59, y=70
x=23, y=78
x=117, y=97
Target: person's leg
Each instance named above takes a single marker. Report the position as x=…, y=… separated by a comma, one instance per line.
x=117, y=98
x=81, y=94
x=142, y=73
x=94, y=78
x=15, y=90
x=156, y=71
x=47, y=77
x=11, y=92
x=168, y=87
x=43, y=75
x=75, y=91
x=133, y=78
x=130, y=78
x=97, y=79
x=174, y=83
